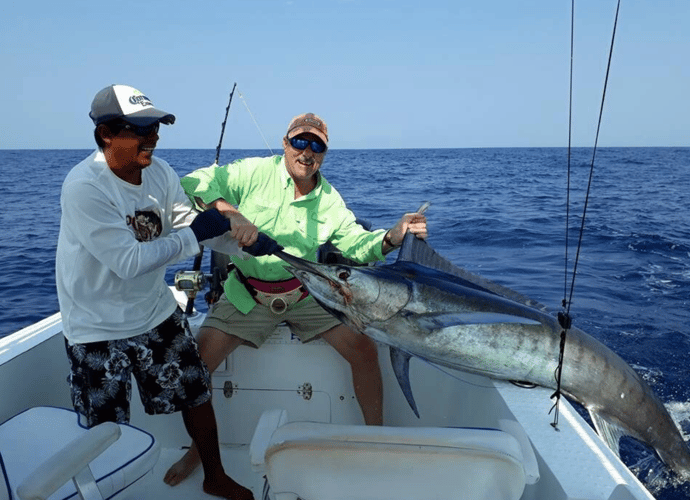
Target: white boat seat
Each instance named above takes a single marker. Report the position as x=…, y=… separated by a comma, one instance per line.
x=317, y=461
x=31, y=438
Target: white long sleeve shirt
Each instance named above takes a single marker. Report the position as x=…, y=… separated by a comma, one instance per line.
x=116, y=240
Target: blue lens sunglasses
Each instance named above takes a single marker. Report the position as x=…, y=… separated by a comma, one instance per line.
x=302, y=144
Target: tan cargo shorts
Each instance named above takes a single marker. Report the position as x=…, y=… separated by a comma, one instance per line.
x=306, y=319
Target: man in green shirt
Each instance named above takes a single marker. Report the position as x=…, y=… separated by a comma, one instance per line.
x=288, y=199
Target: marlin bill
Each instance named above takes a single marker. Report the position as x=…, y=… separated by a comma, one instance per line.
x=424, y=306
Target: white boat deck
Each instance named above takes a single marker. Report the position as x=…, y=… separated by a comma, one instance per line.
x=572, y=463
x=235, y=459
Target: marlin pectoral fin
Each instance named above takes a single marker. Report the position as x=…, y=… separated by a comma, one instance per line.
x=445, y=320
x=401, y=366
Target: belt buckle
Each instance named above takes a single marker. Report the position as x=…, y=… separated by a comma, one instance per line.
x=278, y=305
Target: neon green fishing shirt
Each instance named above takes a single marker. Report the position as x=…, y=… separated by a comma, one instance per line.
x=264, y=193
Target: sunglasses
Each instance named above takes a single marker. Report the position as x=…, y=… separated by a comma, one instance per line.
x=302, y=144
x=135, y=129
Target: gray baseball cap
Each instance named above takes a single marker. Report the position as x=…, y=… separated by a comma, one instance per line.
x=123, y=101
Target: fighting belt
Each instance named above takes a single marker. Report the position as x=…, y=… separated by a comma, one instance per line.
x=276, y=295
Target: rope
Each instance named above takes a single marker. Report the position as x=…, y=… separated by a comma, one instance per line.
x=570, y=135
x=564, y=318
x=255, y=123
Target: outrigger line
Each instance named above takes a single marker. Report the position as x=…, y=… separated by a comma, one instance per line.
x=198, y=258
x=564, y=317
x=255, y=123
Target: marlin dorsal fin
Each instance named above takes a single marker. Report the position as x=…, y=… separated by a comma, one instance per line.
x=419, y=252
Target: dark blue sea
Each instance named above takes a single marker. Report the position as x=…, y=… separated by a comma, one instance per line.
x=500, y=213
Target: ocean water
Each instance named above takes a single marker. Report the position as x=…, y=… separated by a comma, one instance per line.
x=500, y=213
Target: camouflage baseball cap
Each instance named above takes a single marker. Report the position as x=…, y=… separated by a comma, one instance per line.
x=308, y=123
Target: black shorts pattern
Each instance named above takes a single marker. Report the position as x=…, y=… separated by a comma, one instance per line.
x=164, y=361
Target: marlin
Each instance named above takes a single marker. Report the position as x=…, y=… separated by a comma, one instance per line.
x=423, y=305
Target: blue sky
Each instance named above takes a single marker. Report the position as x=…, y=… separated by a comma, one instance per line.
x=382, y=73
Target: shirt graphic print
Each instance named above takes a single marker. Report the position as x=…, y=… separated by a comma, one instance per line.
x=146, y=224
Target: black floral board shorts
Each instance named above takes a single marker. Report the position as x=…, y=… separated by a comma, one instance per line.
x=164, y=361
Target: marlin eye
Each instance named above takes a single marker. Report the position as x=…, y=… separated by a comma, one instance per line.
x=343, y=274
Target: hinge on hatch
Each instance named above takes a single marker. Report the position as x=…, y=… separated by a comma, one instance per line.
x=229, y=389
x=305, y=391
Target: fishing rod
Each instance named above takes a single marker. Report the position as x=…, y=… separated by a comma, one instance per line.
x=564, y=317
x=191, y=294
x=222, y=128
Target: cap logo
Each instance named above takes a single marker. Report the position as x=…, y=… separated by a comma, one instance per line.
x=140, y=100
x=308, y=120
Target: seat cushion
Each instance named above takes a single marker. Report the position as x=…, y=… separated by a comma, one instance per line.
x=29, y=438
x=316, y=461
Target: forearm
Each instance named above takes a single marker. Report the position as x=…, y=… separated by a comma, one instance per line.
x=241, y=229
x=387, y=245
x=415, y=223
x=221, y=205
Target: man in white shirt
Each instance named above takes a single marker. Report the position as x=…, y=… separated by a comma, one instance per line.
x=125, y=218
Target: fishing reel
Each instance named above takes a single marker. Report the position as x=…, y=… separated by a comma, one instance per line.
x=192, y=282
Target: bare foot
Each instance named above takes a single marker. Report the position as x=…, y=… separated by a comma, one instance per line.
x=225, y=487
x=179, y=471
